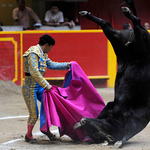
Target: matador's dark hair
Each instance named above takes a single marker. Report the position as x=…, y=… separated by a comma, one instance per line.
x=46, y=39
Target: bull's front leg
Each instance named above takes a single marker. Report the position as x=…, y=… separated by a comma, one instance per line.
x=136, y=122
x=129, y=132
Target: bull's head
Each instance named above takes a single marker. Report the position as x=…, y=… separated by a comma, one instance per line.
x=95, y=129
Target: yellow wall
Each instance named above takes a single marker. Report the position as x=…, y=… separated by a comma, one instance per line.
x=6, y=8
x=112, y=65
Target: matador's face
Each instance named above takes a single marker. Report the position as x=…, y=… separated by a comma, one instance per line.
x=47, y=48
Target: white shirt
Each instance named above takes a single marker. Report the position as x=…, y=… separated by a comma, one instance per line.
x=41, y=49
x=49, y=17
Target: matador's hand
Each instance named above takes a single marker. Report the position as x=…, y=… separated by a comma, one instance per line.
x=49, y=87
x=69, y=65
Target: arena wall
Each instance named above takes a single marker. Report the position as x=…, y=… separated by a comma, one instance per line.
x=90, y=48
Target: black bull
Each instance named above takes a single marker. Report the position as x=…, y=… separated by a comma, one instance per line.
x=129, y=113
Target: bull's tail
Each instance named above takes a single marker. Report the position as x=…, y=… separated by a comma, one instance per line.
x=132, y=6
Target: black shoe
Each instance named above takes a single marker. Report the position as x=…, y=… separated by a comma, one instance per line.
x=51, y=136
x=33, y=141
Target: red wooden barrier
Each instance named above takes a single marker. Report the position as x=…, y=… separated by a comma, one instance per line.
x=87, y=47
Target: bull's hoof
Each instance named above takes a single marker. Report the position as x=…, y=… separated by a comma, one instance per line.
x=83, y=13
x=77, y=125
x=105, y=143
x=118, y=144
x=126, y=10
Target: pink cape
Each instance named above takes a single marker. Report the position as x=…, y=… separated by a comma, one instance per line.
x=66, y=106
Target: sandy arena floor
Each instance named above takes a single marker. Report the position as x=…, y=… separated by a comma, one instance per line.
x=13, y=118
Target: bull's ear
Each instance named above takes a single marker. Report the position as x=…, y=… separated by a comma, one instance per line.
x=77, y=125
